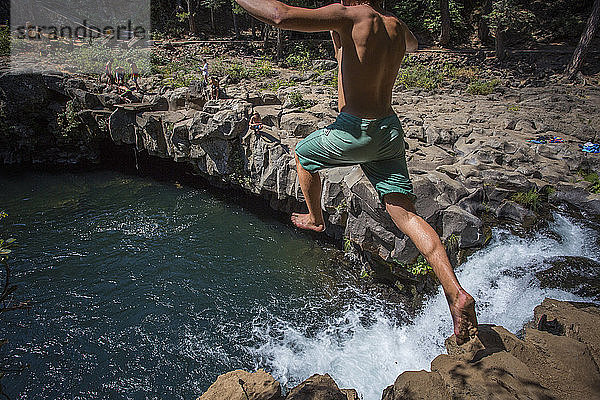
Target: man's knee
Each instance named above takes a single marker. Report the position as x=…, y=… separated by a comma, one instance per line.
x=400, y=200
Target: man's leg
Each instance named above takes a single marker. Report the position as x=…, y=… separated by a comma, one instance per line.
x=462, y=306
x=310, y=183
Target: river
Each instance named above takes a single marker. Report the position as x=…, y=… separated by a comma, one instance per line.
x=149, y=290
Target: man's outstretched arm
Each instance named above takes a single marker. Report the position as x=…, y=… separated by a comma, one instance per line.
x=329, y=18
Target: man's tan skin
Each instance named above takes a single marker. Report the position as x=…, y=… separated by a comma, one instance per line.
x=369, y=45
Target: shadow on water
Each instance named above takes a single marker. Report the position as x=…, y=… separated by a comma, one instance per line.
x=125, y=160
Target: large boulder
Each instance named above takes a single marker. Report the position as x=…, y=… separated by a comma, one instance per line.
x=150, y=126
x=270, y=115
x=122, y=126
x=317, y=387
x=299, y=124
x=499, y=375
x=22, y=94
x=417, y=385
x=325, y=65
x=514, y=212
x=226, y=124
x=242, y=385
x=177, y=98
x=577, y=195
x=214, y=157
x=179, y=139
x=463, y=225
x=560, y=364
x=578, y=321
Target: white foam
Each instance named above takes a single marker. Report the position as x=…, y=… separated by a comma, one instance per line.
x=368, y=356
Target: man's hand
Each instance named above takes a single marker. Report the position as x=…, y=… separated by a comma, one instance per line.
x=333, y=17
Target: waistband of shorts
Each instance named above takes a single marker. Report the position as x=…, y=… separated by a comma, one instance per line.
x=353, y=119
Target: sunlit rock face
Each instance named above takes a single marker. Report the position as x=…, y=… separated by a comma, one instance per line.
x=467, y=156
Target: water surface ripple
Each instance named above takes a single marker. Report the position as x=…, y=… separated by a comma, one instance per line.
x=147, y=290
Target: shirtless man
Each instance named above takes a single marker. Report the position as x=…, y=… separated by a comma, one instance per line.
x=370, y=45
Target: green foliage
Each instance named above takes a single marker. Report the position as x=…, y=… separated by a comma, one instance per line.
x=514, y=108
x=347, y=245
x=452, y=241
x=299, y=58
x=239, y=72
x=176, y=73
x=91, y=58
x=183, y=16
x=5, y=247
x=263, y=68
x=530, y=199
x=560, y=20
x=68, y=122
x=343, y=206
x=464, y=73
x=432, y=20
x=277, y=84
x=507, y=14
x=298, y=101
x=236, y=8
x=416, y=75
x=483, y=87
x=420, y=76
x=592, y=178
x=420, y=267
x=301, y=55
x=411, y=12
x=4, y=41
x=424, y=15
x=333, y=82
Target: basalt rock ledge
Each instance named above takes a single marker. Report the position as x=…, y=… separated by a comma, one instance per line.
x=467, y=156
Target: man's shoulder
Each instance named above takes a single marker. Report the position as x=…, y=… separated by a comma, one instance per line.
x=366, y=12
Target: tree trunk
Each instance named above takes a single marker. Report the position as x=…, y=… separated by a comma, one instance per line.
x=253, y=27
x=584, y=43
x=265, y=35
x=191, y=19
x=236, y=28
x=279, y=53
x=500, y=43
x=192, y=22
x=483, y=30
x=446, y=23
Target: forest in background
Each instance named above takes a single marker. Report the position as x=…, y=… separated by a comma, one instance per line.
x=470, y=21
x=498, y=24
x=545, y=22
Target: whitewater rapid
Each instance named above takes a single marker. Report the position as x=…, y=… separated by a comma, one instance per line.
x=366, y=345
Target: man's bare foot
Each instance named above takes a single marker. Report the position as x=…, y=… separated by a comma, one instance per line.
x=462, y=309
x=305, y=221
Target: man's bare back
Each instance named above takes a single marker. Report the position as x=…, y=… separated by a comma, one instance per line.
x=369, y=54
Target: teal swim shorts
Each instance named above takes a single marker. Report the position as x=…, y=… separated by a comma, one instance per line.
x=376, y=144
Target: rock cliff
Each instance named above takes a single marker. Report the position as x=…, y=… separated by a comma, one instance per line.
x=469, y=156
